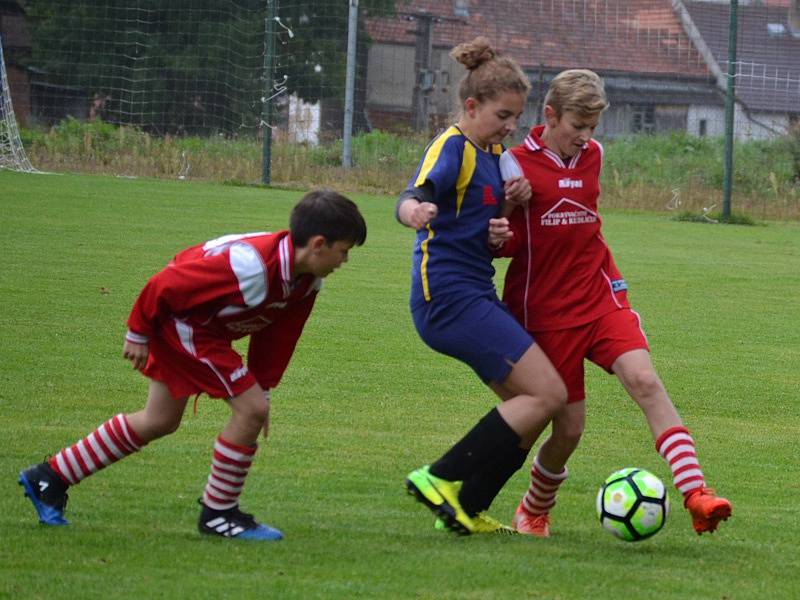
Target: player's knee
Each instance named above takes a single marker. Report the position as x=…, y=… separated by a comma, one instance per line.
x=555, y=395
x=255, y=414
x=645, y=384
x=160, y=426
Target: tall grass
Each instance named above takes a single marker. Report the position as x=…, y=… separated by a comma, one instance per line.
x=660, y=172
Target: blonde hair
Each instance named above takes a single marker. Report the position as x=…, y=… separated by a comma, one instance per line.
x=488, y=73
x=577, y=90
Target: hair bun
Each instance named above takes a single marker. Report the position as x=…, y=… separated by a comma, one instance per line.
x=473, y=54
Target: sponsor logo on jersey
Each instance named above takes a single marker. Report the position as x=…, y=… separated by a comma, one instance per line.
x=568, y=212
x=238, y=373
x=248, y=325
x=488, y=196
x=568, y=183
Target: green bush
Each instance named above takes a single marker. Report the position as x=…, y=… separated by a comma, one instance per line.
x=640, y=172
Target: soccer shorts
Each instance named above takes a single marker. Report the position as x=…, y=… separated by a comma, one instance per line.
x=477, y=330
x=190, y=360
x=601, y=341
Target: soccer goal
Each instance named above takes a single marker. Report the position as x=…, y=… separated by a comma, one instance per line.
x=12, y=154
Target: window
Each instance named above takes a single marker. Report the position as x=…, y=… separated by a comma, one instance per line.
x=643, y=118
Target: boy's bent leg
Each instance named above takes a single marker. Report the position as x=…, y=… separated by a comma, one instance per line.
x=160, y=416
x=673, y=441
x=46, y=484
x=234, y=451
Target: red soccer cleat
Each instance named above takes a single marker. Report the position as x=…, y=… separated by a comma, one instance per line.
x=525, y=522
x=707, y=509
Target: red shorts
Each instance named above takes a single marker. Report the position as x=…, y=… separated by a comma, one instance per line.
x=191, y=361
x=602, y=341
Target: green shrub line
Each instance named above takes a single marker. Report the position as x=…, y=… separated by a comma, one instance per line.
x=674, y=171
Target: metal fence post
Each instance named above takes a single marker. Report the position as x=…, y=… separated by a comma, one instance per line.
x=730, y=110
x=350, y=77
x=269, y=76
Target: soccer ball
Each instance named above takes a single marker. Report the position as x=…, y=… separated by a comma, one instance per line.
x=632, y=504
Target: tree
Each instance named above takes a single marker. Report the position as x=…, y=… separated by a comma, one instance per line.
x=192, y=66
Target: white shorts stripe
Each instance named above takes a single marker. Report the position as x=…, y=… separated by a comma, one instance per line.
x=186, y=335
x=219, y=376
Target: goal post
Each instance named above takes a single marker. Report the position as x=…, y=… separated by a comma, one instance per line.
x=12, y=154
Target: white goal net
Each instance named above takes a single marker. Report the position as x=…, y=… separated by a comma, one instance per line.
x=12, y=154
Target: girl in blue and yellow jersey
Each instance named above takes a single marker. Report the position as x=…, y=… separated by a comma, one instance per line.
x=456, y=189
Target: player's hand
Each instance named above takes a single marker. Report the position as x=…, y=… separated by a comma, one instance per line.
x=417, y=214
x=136, y=353
x=517, y=193
x=499, y=232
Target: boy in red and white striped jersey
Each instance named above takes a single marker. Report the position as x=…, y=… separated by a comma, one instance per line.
x=564, y=287
x=180, y=334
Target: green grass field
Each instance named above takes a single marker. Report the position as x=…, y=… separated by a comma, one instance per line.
x=364, y=401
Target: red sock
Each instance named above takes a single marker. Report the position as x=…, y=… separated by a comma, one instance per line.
x=229, y=469
x=676, y=446
x=541, y=495
x=112, y=441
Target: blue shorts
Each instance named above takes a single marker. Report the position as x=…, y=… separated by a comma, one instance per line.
x=477, y=330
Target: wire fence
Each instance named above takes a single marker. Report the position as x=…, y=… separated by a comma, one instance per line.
x=250, y=69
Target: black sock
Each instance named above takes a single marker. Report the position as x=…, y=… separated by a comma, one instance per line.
x=480, y=490
x=476, y=449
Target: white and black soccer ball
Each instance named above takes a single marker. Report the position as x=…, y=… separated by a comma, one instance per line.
x=632, y=504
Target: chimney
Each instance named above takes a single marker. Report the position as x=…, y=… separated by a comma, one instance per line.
x=794, y=17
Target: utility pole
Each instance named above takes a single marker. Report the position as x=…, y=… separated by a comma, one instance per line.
x=423, y=67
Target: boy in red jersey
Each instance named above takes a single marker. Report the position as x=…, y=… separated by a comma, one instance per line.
x=180, y=332
x=564, y=287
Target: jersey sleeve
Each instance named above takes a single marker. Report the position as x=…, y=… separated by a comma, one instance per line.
x=440, y=165
x=184, y=287
x=271, y=348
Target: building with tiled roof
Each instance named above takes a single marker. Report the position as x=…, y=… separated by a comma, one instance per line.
x=767, y=73
x=657, y=78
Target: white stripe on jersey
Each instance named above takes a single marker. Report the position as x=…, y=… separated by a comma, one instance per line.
x=250, y=271
x=610, y=287
x=218, y=245
x=530, y=265
x=554, y=157
x=186, y=335
x=286, y=269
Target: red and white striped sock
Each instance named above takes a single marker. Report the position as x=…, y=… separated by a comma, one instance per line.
x=541, y=495
x=112, y=441
x=676, y=446
x=229, y=468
